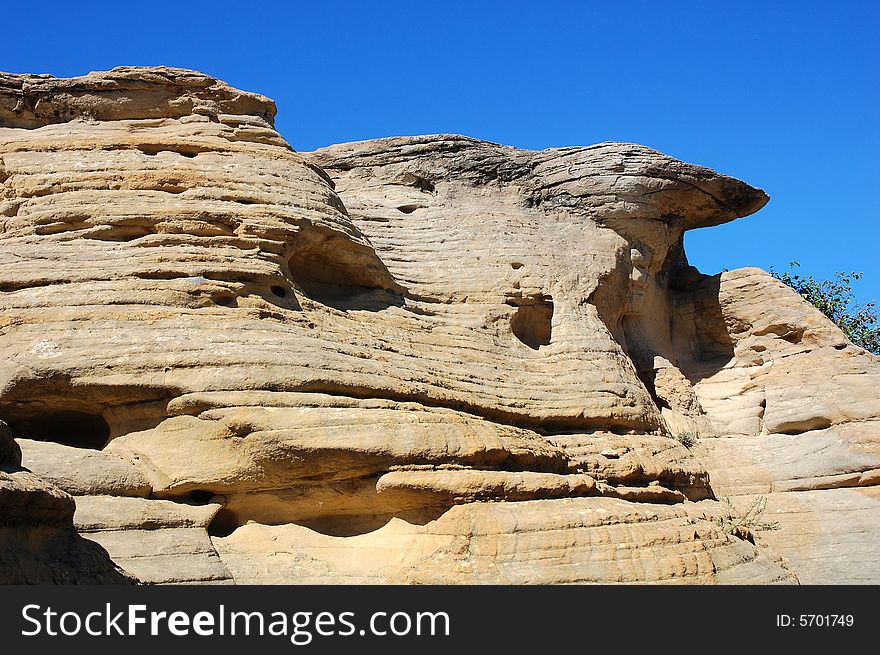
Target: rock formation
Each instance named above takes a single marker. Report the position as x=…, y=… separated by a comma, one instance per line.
x=38, y=543
x=425, y=359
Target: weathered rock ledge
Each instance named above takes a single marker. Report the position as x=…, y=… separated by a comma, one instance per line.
x=415, y=359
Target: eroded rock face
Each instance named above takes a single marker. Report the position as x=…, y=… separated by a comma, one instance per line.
x=426, y=359
x=38, y=543
x=799, y=412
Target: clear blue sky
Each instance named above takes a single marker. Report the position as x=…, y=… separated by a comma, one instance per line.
x=784, y=95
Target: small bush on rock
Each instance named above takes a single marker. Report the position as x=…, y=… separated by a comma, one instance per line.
x=686, y=439
x=835, y=299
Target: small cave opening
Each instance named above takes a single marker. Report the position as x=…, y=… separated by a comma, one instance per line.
x=532, y=324
x=407, y=209
x=352, y=525
x=201, y=496
x=417, y=182
x=278, y=291
x=67, y=427
x=321, y=280
x=337, y=285
x=223, y=524
x=153, y=149
x=224, y=298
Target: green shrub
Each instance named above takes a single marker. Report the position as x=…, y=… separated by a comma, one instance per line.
x=835, y=299
x=686, y=439
x=742, y=523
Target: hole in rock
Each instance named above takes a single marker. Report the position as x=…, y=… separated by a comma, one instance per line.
x=342, y=508
x=223, y=524
x=794, y=336
x=201, y=496
x=276, y=290
x=516, y=265
x=84, y=415
x=225, y=300
x=531, y=324
x=154, y=149
x=407, y=209
x=68, y=427
x=417, y=182
x=337, y=285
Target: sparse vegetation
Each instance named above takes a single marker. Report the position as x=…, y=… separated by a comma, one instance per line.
x=686, y=439
x=742, y=524
x=836, y=300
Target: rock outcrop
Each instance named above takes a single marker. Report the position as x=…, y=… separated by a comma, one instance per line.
x=798, y=408
x=421, y=359
x=38, y=542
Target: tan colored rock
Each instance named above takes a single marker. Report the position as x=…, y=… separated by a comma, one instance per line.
x=534, y=542
x=126, y=92
x=798, y=410
x=653, y=493
x=315, y=441
x=636, y=460
x=417, y=359
x=826, y=536
x=156, y=541
x=464, y=485
x=38, y=544
x=778, y=368
x=28, y=500
x=83, y=471
x=769, y=363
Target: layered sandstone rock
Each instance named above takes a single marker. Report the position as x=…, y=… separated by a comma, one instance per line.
x=798, y=408
x=427, y=359
x=38, y=542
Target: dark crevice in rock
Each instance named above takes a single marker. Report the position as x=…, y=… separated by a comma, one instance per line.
x=185, y=150
x=224, y=298
x=344, y=275
x=700, y=319
x=352, y=507
x=224, y=523
x=200, y=496
x=68, y=427
x=84, y=416
x=352, y=526
x=793, y=428
x=532, y=323
x=16, y=285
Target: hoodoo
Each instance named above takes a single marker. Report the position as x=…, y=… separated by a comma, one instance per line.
x=424, y=359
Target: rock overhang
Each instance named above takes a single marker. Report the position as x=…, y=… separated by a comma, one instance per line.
x=341, y=339
x=298, y=240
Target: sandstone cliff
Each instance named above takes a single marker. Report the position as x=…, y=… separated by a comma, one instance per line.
x=425, y=359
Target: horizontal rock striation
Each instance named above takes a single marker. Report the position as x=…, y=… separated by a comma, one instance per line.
x=416, y=359
x=125, y=93
x=38, y=542
x=572, y=540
